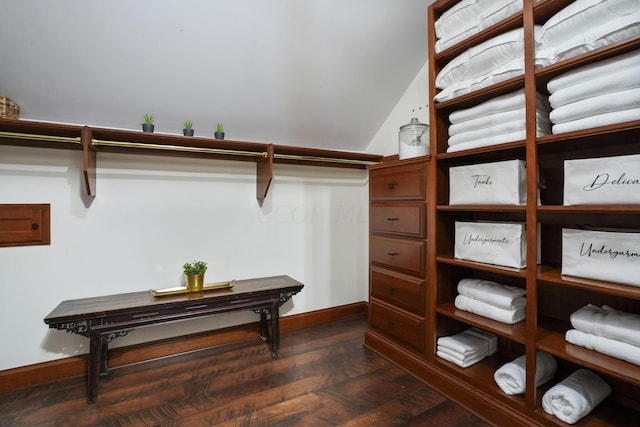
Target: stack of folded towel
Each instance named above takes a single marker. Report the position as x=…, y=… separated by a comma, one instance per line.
x=467, y=347
x=585, y=25
x=482, y=65
x=496, y=121
x=469, y=17
x=575, y=396
x=583, y=98
x=607, y=331
x=506, y=304
x=512, y=377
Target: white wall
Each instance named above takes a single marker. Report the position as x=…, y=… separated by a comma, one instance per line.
x=413, y=103
x=151, y=215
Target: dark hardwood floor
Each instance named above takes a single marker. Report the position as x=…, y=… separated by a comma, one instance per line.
x=324, y=377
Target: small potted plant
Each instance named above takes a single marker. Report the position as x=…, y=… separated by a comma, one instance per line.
x=188, y=128
x=195, y=274
x=148, y=125
x=219, y=134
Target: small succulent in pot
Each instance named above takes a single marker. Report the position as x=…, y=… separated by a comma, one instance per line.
x=148, y=125
x=188, y=128
x=195, y=268
x=219, y=133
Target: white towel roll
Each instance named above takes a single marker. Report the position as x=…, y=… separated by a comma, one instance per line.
x=576, y=396
x=511, y=377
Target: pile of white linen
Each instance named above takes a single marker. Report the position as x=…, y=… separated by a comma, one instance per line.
x=506, y=304
x=512, y=377
x=598, y=94
x=607, y=331
x=482, y=65
x=574, y=397
x=469, y=17
x=496, y=121
x=468, y=347
x=584, y=26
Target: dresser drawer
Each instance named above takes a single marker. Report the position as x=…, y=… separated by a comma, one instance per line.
x=398, y=289
x=397, y=325
x=404, y=254
x=401, y=218
x=405, y=182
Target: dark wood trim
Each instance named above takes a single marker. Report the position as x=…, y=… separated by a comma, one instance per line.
x=465, y=394
x=38, y=373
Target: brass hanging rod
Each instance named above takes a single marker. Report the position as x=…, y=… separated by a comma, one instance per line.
x=33, y=136
x=324, y=159
x=178, y=148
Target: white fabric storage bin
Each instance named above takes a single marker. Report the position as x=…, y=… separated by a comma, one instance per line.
x=606, y=180
x=498, y=183
x=611, y=256
x=491, y=242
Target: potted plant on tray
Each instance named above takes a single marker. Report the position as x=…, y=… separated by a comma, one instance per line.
x=219, y=134
x=148, y=125
x=188, y=128
x=195, y=274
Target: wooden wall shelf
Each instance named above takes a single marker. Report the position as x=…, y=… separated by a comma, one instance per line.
x=93, y=140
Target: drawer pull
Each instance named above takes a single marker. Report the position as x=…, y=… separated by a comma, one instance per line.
x=393, y=219
x=390, y=324
x=392, y=290
x=393, y=253
x=391, y=185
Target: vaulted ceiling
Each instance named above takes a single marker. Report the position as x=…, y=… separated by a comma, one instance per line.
x=312, y=73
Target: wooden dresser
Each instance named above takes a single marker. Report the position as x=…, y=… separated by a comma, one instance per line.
x=397, y=252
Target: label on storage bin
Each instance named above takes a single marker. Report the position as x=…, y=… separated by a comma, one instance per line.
x=500, y=183
x=605, y=180
x=490, y=242
x=602, y=255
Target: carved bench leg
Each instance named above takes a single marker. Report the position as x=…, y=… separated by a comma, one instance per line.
x=275, y=331
x=95, y=355
x=264, y=330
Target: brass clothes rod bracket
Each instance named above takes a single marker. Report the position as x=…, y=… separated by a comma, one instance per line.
x=324, y=159
x=33, y=136
x=226, y=151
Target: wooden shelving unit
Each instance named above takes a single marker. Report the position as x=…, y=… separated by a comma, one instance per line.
x=92, y=140
x=551, y=297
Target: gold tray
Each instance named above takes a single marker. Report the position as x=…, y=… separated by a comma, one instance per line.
x=183, y=290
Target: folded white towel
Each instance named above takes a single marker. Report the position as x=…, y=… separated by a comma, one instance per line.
x=608, y=322
x=492, y=340
x=603, y=119
x=499, y=104
x=462, y=364
x=575, y=396
x=460, y=357
x=496, y=294
x=614, y=348
x=464, y=344
x=601, y=104
x=543, y=127
x=511, y=377
x=487, y=310
x=498, y=122
x=621, y=79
